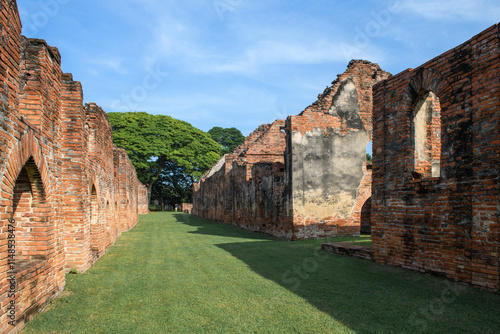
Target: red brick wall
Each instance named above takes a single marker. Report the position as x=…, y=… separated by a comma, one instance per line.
x=449, y=224
x=364, y=74
x=245, y=188
x=259, y=201
x=126, y=190
x=187, y=208
x=74, y=176
x=101, y=176
x=53, y=152
x=143, y=199
x=40, y=85
x=261, y=185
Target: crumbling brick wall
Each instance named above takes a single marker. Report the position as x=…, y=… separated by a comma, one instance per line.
x=60, y=181
x=187, y=208
x=441, y=217
x=143, y=199
x=246, y=187
x=101, y=177
x=303, y=178
x=127, y=188
x=326, y=152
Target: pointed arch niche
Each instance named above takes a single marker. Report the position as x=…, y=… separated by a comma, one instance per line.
x=31, y=214
x=427, y=135
x=35, y=240
x=94, y=223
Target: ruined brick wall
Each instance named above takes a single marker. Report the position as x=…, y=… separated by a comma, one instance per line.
x=58, y=176
x=31, y=256
x=187, y=208
x=207, y=193
x=440, y=217
x=75, y=174
x=303, y=178
x=101, y=177
x=143, y=200
x=126, y=189
x=325, y=157
x=245, y=187
x=258, y=199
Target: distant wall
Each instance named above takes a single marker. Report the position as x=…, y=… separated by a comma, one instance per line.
x=245, y=188
x=187, y=207
x=305, y=177
x=143, y=200
x=326, y=154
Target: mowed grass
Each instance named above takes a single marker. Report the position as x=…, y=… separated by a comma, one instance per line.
x=363, y=240
x=175, y=273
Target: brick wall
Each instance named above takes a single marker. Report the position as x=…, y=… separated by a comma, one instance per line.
x=66, y=192
x=245, y=187
x=326, y=153
x=303, y=178
x=440, y=214
x=126, y=187
x=187, y=207
x=143, y=199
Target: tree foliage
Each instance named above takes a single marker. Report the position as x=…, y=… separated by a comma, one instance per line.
x=168, y=154
x=228, y=138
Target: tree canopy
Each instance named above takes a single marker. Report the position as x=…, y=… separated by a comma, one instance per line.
x=228, y=138
x=168, y=154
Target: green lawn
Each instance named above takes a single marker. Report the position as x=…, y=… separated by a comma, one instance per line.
x=363, y=240
x=174, y=273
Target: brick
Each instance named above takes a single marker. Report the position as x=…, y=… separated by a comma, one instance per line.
x=459, y=196
x=54, y=150
x=259, y=186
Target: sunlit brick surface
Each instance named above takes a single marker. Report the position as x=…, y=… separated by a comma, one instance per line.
x=445, y=222
x=67, y=190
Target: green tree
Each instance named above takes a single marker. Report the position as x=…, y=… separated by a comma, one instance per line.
x=167, y=153
x=228, y=138
x=174, y=185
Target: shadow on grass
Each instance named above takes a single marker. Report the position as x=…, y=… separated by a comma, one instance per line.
x=217, y=229
x=365, y=296
x=368, y=297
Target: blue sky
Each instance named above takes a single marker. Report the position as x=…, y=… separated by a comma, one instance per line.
x=240, y=63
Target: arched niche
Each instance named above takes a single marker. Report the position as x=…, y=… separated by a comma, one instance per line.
x=427, y=135
x=94, y=223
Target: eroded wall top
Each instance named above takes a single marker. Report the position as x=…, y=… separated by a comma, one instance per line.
x=349, y=99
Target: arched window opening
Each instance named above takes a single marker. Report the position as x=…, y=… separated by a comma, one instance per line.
x=369, y=153
x=366, y=217
x=108, y=222
x=427, y=136
x=94, y=222
x=369, y=158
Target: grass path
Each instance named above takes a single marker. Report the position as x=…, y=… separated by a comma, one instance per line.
x=175, y=273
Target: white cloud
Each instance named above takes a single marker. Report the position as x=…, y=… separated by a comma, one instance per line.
x=262, y=59
x=453, y=10
x=200, y=43
x=275, y=52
